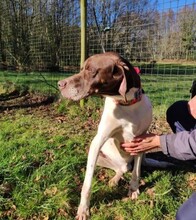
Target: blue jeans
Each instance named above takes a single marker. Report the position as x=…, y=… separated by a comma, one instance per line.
x=187, y=210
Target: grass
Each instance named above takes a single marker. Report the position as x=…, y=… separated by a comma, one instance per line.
x=43, y=157
x=43, y=154
x=35, y=170
x=37, y=82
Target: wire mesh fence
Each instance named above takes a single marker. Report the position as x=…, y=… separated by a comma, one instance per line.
x=158, y=36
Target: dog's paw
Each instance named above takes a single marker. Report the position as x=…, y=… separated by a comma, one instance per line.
x=133, y=194
x=83, y=213
x=82, y=217
x=113, y=182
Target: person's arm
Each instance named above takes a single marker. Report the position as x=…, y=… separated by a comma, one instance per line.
x=181, y=145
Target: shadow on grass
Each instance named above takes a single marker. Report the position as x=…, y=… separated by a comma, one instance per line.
x=23, y=100
x=12, y=95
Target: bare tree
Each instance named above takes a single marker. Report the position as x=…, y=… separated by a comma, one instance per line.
x=187, y=29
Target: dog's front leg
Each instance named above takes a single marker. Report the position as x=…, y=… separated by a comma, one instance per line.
x=134, y=184
x=83, y=210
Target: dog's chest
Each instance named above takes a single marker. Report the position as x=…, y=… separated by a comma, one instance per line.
x=126, y=130
x=124, y=122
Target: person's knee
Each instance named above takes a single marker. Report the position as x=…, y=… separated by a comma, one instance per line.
x=170, y=118
x=187, y=210
x=175, y=113
x=179, y=118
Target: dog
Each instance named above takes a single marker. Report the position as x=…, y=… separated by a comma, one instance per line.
x=127, y=113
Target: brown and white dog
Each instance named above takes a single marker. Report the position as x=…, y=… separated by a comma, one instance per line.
x=127, y=113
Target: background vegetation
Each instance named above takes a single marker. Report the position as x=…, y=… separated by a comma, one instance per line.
x=45, y=34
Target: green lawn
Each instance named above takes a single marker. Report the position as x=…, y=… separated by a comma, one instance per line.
x=38, y=82
x=43, y=154
x=164, y=84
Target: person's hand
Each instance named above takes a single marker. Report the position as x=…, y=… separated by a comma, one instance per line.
x=192, y=106
x=141, y=143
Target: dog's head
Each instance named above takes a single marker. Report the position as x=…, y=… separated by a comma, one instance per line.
x=106, y=74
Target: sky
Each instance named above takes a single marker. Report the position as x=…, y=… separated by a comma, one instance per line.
x=164, y=5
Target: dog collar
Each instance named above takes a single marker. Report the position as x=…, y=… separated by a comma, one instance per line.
x=137, y=98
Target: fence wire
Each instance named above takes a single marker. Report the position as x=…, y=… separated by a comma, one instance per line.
x=159, y=36
x=45, y=34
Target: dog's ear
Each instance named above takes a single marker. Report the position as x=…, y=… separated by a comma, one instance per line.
x=119, y=73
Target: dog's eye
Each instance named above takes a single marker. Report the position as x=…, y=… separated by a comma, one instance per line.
x=92, y=70
x=94, y=73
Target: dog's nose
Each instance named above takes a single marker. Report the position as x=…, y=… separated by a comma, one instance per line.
x=62, y=84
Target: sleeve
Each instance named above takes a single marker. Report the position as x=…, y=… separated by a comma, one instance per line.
x=181, y=145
